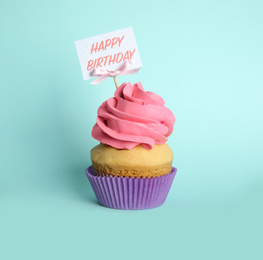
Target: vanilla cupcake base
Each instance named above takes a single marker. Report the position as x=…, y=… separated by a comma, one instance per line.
x=106, y=170
x=137, y=162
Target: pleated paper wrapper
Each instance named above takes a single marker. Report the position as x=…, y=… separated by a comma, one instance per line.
x=130, y=193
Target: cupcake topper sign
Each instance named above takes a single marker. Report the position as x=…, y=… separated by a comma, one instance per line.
x=108, y=55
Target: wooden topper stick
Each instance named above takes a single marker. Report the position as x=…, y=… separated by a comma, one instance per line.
x=116, y=82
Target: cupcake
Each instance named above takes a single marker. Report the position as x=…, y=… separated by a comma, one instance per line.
x=132, y=165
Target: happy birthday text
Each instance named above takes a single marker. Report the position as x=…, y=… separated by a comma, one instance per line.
x=109, y=59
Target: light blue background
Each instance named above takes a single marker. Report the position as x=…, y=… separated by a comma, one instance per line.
x=205, y=58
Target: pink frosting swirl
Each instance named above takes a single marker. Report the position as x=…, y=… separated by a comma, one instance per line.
x=133, y=117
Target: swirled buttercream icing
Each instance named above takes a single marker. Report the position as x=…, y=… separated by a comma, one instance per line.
x=133, y=117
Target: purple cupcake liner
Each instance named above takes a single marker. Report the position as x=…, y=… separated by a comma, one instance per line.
x=130, y=193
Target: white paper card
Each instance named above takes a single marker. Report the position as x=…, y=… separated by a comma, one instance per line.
x=108, y=51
